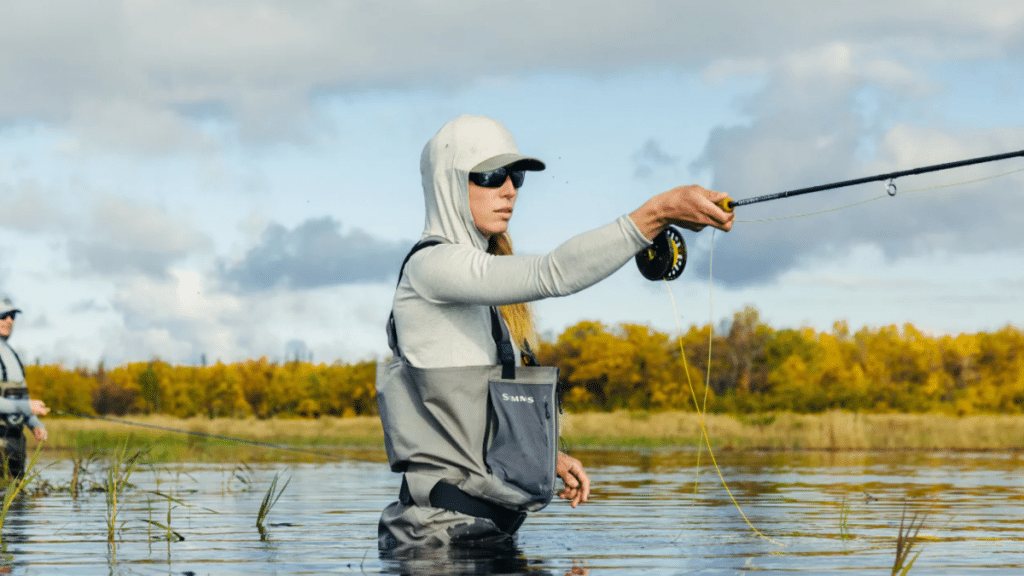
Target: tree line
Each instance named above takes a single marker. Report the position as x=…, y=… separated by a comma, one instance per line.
x=745, y=366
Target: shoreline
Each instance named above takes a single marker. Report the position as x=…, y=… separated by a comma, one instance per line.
x=361, y=437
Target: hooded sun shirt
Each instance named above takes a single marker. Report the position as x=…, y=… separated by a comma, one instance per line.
x=441, y=305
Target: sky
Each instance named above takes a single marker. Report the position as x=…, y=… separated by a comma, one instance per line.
x=222, y=180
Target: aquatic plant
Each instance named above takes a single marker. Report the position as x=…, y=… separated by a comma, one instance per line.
x=170, y=534
x=844, y=516
x=271, y=498
x=243, y=475
x=905, y=540
x=80, y=465
x=16, y=485
x=119, y=471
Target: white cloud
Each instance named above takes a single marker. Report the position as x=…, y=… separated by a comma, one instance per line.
x=146, y=73
x=172, y=320
x=25, y=208
x=128, y=237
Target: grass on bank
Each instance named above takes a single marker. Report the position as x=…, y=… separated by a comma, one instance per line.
x=361, y=437
x=785, y=431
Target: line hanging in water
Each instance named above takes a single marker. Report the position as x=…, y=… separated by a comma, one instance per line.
x=876, y=178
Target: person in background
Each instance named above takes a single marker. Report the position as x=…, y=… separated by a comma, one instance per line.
x=16, y=408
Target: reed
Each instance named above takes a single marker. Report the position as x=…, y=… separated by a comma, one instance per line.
x=16, y=486
x=242, y=475
x=119, y=470
x=844, y=517
x=170, y=535
x=271, y=498
x=81, y=464
x=905, y=540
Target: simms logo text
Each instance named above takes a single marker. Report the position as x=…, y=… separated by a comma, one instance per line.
x=510, y=398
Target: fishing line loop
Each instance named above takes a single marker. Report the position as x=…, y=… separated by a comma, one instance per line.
x=890, y=188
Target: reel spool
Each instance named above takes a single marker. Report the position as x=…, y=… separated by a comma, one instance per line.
x=665, y=258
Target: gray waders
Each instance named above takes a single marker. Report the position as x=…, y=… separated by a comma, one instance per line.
x=477, y=446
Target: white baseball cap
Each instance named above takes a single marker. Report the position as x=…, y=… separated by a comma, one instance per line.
x=7, y=306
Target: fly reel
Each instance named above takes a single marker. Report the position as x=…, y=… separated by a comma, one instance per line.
x=665, y=258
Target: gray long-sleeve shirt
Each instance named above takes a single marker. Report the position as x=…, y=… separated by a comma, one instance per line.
x=441, y=304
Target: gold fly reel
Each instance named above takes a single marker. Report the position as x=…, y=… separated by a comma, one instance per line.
x=665, y=258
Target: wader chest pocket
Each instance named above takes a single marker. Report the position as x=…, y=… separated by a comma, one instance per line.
x=523, y=431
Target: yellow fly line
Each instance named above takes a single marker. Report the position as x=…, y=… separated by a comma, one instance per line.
x=701, y=407
x=705, y=439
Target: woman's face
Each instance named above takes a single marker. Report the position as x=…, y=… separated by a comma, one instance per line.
x=492, y=207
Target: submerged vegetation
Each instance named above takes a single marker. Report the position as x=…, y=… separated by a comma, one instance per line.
x=753, y=369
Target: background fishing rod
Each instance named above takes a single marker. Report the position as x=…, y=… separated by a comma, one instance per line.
x=665, y=259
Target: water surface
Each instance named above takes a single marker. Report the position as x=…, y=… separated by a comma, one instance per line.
x=651, y=512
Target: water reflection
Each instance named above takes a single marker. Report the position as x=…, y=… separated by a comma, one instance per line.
x=461, y=560
x=14, y=534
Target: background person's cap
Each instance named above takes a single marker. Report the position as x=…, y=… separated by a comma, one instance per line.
x=7, y=306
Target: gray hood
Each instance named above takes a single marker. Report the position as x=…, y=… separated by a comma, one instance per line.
x=460, y=146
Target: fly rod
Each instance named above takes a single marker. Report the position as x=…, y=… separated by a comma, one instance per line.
x=890, y=176
x=666, y=257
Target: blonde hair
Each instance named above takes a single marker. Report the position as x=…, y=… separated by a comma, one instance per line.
x=518, y=317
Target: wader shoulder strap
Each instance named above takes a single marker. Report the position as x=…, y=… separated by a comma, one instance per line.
x=20, y=365
x=501, y=339
x=3, y=367
x=499, y=331
x=392, y=332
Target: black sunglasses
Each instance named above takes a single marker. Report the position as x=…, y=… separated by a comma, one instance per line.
x=496, y=178
x=7, y=315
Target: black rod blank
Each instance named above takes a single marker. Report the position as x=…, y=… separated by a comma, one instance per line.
x=889, y=176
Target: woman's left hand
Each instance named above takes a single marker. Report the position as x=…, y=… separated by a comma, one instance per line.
x=577, y=483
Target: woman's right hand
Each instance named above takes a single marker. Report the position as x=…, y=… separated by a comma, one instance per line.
x=691, y=207
x=38, y=407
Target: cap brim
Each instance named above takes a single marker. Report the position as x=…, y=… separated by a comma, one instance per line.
x=518, y=160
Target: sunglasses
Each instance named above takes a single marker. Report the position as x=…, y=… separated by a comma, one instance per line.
x=8, y=315
x=496, y=178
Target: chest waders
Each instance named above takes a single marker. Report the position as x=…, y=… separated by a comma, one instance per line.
x=12, y=440
x=477, y=444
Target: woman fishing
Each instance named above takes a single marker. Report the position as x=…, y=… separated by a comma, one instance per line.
x=468, y=417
